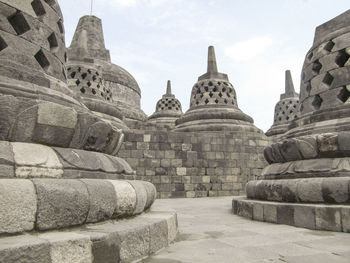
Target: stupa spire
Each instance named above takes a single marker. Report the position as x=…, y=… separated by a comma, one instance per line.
x=289, y=87
x=168, y=88
x=212, y=67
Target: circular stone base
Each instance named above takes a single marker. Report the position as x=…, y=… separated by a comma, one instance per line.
x=311, y=216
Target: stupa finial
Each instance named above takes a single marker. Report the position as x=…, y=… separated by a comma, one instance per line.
x=212, y=67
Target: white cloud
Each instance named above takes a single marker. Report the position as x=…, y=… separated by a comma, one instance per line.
x=248, y=49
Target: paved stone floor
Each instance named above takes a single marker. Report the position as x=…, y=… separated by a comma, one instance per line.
x=209, y=232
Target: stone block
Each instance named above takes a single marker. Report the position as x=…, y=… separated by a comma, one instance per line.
x=147, y=137
x=328, y=218
x=126, y=198
x=327, y=142
x=61, y=203
x=270, y=212
x=345, y=219
x=105, y=248
x=289, y=150
x=310, y=190
x=141, y=196
x=34, y=160
x=135, y=243
x=285, y=215
x=68, y=247
x=289, y=190
x=18, y=205
x=24, y=249
x=344, y=141
x=304, y=216
x=181, y=171
x=258, y=211
x=102, y=199
x=7, y=171
x=307, y=146
x=6, y=154
x=53, y=135
x=190, y=194
x=158, y=236
x=336, y=189
x=245, y=209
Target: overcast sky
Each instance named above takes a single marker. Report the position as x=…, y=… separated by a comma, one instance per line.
x=255, y=42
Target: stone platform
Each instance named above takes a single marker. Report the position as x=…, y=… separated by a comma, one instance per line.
x=110, y=241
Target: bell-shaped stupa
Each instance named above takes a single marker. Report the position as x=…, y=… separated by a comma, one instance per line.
x=213, y=104
x=286, y=110
x=168, y=109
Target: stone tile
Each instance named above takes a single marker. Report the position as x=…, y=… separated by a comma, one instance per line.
x=18, y=205
x=126, y=198
x=328, y=218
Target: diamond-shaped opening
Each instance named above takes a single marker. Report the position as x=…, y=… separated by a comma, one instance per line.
x=328, y=47
x=3, y=44
x=97, y=74
x=69, y=69
x=216, y=101
x=223, y=89
x=225, y=100
x=94, y=78
x=328, y=79
x=102, y=94
x=169, y=108
x=341, y=58
x=79, y=69
x=84, y=75
x=60, y=26
x=287, y=118
x=215, y=89
x=42, y=59
x=52, y=42
x=82, y=90
x=220, y=94
x=210, y=83
x=89, y=71
x=19, y=23
x=311, y=54
x=198, y=91
x=228, y=94
x=89, y=84
x=206, y=101
x=93, y=91
x=77, y=82
x=38, y=8
x=317, y=102
x=98, y=86
x=344, y=95
x=177, y=108
x=197, y=102
x=206, y=88
x=201, y=96
x=72, y=75
x=108, y=98
x=211, y=94
x=233, y=103
x=316, y=66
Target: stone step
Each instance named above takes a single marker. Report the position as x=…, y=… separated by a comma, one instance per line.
x=112, y=241
x=311, y=216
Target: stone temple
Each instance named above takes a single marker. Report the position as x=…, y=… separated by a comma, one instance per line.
x=81, y=163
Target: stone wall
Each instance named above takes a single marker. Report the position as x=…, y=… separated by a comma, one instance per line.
x=188, y=164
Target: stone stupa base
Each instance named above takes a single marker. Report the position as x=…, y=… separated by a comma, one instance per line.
x=307, y=215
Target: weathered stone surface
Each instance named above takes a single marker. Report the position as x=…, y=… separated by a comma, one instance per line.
x=105, y=248
x=345, y=219
x=307, y=146
x=304, y=216
x=285, y=215
x=327, y=142
x=245, y=209
x=328, y=218
x=68, y=247
x=270, y=213
x=102, y=199
x=310, y=190
x=52, y=114
x=258, y=212
x=33, y=160
x=24, y=249
x=126, y=198
x=6, y=154
x=18, y=205
x=289, y=150
x=135, y=243
x=61, y=203
x=151, y=194
x=158, y=236
x=141, y=196
x=336, y=189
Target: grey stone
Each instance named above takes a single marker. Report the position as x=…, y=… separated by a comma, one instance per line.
x=141, y=196
x=258, y=212
x=18, y=205
x=310, y=190
x=245, y=209
x=52, y=114
x=126, y=198
x=24, y=249
x=289, y=190
x=158, y=235
x=61, y=203
x=345, y=219
x=304, y=216
x=327, y=142
x=285, y=215
x=336, y=189
x=328, y=218
x=105, y=249
x=68, y=247
x=6, y=154
x=289, y=150
x=270, y=212
x=102, y=199
x=307, y=146
x=344, y=141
